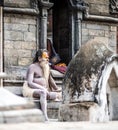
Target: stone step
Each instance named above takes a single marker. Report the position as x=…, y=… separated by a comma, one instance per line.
x=15, y=86
x=15, y=89
x=52, y=106
x=14, y=108
x=18, y=116
x=20, y=82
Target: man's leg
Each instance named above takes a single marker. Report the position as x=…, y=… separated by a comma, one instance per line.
x=42, y=94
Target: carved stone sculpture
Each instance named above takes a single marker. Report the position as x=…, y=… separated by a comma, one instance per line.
x=114, y=6
x=87, y=88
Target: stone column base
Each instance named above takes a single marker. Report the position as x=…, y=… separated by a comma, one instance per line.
x=86, y=111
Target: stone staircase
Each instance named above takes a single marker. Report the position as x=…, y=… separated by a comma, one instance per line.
x=15, y=86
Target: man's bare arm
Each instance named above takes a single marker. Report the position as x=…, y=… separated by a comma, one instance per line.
x=53, y=84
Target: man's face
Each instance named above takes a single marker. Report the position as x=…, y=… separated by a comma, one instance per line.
x=44, y=59
x=45, y=55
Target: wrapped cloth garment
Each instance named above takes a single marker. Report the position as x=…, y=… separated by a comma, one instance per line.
x=27, y=91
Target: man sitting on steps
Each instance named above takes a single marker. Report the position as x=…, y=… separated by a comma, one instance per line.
x=39, y=83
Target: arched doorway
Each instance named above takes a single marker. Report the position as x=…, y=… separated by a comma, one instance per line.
x=112, y=96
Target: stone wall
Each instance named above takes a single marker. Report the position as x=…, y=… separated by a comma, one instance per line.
x=99, y=7
x=20, y=33
x=20, y=40
x=17, y=3
x=100, y=30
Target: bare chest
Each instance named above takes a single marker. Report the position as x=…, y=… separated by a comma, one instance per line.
x=38, y=72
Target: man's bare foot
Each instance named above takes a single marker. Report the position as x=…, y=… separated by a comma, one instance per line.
x=46, y=119
x=57, y=100
x=58, y=90
x=58, y=97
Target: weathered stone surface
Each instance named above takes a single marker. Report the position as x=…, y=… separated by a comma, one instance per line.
x=77, y=112
x=90, y=78
x=98, y=7
x=53, y=109
x=104, y=31
x=84, y=71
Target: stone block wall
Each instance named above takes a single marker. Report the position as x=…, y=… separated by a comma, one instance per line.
x=99, y=7
x=17, y=3
x=94, y=28
x=106, y=31
x=20, y=33
x=19, y=43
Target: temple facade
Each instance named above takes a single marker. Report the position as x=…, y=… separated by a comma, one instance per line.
x=70, y=24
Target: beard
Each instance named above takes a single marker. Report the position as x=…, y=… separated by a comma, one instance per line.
x=46, y=71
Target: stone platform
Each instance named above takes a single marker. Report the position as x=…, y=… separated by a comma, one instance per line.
x=61, y=126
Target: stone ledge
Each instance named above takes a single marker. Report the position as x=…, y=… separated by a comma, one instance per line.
x=56, y=74
x=14, y=89
x=26, y=11
x=52, y=106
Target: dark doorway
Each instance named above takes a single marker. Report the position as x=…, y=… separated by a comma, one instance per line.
x=58, y=28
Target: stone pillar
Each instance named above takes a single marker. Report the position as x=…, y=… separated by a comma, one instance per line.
x=43, y=6
x=77, y=8
x=78, y=31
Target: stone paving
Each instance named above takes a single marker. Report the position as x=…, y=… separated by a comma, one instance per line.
x=54, y=125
